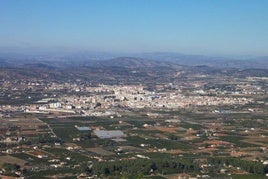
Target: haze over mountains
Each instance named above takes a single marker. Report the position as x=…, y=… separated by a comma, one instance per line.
x=96, y=58
x=110, y=68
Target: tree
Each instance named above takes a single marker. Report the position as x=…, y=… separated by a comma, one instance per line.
x=106, y=171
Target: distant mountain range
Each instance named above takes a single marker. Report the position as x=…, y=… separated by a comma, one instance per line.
x=218, y=62
x=134, y=60
x=122, y=70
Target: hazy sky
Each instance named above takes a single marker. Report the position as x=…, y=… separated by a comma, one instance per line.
x=186, y=26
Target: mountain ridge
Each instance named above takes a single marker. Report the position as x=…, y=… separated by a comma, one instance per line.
x=95, y=59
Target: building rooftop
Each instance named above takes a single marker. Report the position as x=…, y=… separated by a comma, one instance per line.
x=83, y=128
x=104, y=134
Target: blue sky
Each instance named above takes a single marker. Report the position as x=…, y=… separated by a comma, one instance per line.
x=185, y=26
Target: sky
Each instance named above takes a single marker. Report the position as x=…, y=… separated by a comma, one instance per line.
x=183, y=26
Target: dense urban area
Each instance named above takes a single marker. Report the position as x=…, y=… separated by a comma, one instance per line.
x=132, y=118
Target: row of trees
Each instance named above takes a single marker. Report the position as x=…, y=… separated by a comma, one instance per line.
x=170, y=166
x=249, y=166
x=144, y=167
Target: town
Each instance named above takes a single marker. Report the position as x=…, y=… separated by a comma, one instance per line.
x=197, y=126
